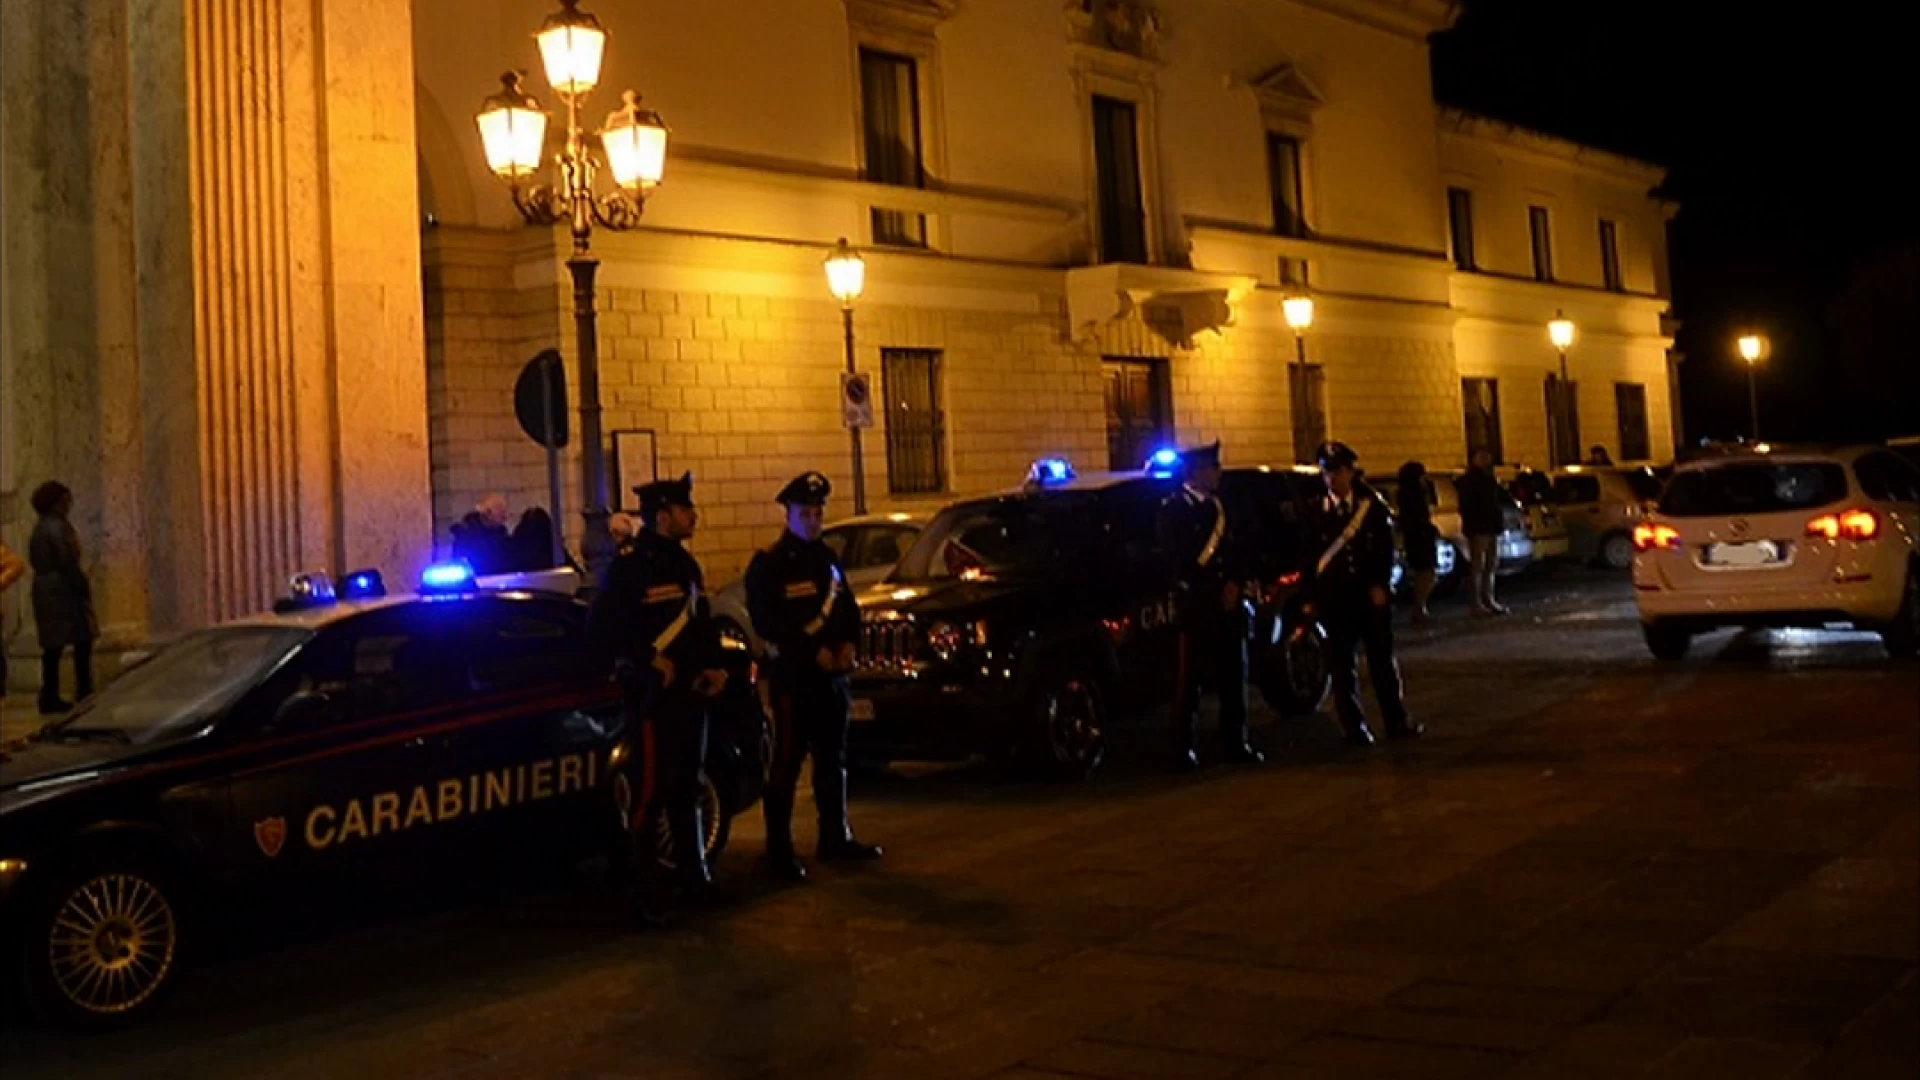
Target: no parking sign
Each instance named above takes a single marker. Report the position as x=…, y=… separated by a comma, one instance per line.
x=856, y=399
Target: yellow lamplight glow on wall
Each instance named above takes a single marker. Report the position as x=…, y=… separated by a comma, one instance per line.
x=1561, y=332
x=513, y=130
x=1299, y=312
x=846, y=273
x=635, y=139
x=572, y=44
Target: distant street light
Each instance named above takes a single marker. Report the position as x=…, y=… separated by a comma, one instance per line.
x=1561, y=331
x=846, y=277
x=1299, y=313
x=513, y=129
x=1753, y=349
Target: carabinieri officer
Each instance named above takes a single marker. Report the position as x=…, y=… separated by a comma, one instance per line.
x=652, y=616
x=801, y=606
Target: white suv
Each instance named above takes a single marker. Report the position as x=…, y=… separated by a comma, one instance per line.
x=1775, y=536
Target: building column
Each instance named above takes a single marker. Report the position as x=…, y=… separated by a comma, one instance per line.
x=282, y=374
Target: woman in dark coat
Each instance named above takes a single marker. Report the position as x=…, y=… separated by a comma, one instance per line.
x=62, y=597
x=1419, y=535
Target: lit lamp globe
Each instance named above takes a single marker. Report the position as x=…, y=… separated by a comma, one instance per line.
x=513, y=130
x=1560, y=331
x=1299, y=312
x=635, y=139
x=572, y=44
x=846, y=274
x=1753, y=348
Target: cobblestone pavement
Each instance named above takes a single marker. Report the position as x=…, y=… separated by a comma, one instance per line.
x=1594, y=866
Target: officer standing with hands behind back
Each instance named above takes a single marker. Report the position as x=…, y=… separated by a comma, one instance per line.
x=1351, y=595
x=1212, y=612
x=801, y=606
x=651, y=615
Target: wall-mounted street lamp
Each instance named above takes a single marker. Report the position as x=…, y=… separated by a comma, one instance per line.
x=1565, y=449
x=1299, y=313
x=513, y=132
x=846, y=278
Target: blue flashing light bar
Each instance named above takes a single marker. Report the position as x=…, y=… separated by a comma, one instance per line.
x=1050, y=471
x=447, y=577
x=306, y=591
x=1163, y=461
x=363, y=585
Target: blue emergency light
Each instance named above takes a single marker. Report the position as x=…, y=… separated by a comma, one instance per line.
x=306, y=591
x=1050, y=471
x=363, y=585
x=1163, y=461
x=447, y=577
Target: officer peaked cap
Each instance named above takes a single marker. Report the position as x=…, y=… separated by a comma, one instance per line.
x=1202, y=457
x=661, y=494
x=807, y=489
x=1337, y=455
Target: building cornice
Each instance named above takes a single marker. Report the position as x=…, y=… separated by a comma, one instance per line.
x=1548, y=149
x=1414, y=19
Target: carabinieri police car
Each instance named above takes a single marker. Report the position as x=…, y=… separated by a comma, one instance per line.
x=346, y=737
x=1024, y=622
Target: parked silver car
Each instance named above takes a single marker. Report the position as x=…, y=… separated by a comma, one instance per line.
x=867, y=548
x=1601, y=506
x=1516, y=547
x=1533, y=490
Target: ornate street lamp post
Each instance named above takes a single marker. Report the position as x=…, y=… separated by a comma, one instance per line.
x=846, y=277
x=1753, y=349
x=513, y=130
x=1299, y=313
x=1560, y=331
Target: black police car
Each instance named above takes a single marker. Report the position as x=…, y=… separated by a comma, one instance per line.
x=1023, y=622
x=362, y=740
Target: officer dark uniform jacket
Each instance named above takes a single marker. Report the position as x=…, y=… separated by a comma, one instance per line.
x=652, y=618
x=800, y=604
x=1355, y=557
x=1199, y=543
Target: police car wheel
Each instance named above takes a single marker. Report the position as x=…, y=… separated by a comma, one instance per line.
x=1301, y=683
x=713, y=815
x=103, y=944
x=1069, y=729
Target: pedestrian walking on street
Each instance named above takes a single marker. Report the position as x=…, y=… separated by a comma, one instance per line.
x=1351, y=576
x=1213, y=614
x=1483, y=518
x=800, y=605
x=481, y=539
x=62, y=597
x=12, y=569
x=652, y=618
x=1418, y=536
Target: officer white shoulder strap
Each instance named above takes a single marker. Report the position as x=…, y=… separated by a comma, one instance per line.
x=1219, y=530
x=819, y=621
x=678, y=624
x=1346, y=535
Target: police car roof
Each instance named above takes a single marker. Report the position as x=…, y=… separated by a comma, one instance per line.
x=323, y=615
x=1094, y=481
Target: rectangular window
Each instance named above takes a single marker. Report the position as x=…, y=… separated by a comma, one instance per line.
x=1283, y=179
x=890, y=114
x=1563, y=421
x=1139, y=410
x=1630, y=399
x=916, y=427
x=1481, y=397
x=1116, y=152
x=1538, y=225
x=1460, y=226
x=1307, y=384
x=1610, y=256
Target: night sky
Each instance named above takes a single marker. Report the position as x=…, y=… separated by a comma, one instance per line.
x=1786, y=137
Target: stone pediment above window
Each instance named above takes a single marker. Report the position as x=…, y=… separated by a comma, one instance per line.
x=1285, y=92
x=1128, y=27
x=918, y=17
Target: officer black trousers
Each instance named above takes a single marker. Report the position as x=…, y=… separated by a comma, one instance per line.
x=1212, y=656
x=1350, y=624
x=810, y=716
x=671, y=755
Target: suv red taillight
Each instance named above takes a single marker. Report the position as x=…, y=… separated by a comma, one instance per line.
x=1647, y=537
x=1847, y=525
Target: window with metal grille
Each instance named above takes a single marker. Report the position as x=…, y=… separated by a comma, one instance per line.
x=890, y=115
x=1630, y=400
x=1460, y=226
x=1540, y=228
x=1481, y=398
x=1563, y=421
x=1116, y=153
x=1307, y=385
x=1610, y=256
x=916, y=427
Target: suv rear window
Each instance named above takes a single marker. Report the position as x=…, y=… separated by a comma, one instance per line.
x=1753, y=487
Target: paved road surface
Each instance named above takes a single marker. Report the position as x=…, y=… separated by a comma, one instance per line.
x=1596, y=866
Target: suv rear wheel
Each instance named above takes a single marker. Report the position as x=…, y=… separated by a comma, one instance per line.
x=1901, y=637
x=1665, y=641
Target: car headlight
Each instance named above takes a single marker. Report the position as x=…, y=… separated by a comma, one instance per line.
x=948, y=640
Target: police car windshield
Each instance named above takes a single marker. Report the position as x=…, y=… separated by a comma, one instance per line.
x=1009, y=538
x=187, y=684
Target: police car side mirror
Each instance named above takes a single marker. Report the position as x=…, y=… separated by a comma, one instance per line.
x=302, y=710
